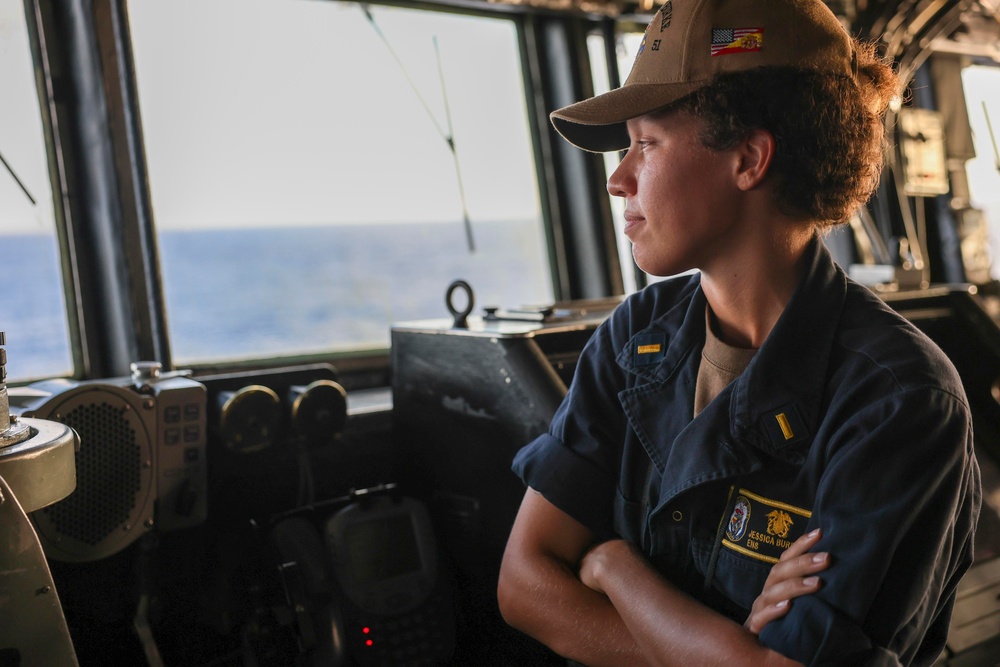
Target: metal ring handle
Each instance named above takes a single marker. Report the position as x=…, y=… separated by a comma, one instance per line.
x=460, y=315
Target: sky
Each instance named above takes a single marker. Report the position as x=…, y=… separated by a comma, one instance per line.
x=260, y=112
x=263, y=112
x=21, y=143
x=270, y=112
x=982, y=84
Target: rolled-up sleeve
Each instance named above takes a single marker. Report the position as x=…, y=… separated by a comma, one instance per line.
x=576, y=465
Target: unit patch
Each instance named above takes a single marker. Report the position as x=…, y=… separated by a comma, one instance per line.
x=736, y=40
x=738, y=521
x=763, y=528
x=649, y=349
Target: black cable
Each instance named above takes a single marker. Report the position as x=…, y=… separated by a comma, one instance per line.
x=449, y=136
x=18, y=181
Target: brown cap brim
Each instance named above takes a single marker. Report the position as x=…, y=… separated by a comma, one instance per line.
x=598, y=124
x=687, y=44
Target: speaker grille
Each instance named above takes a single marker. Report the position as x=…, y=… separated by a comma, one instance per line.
x=107, y=474
x=114, y=499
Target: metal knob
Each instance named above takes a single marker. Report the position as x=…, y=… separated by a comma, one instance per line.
x=145, y=371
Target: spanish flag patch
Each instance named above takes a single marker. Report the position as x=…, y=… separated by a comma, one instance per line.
x=736, y=40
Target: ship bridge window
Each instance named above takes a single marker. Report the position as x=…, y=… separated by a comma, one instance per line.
x=320, y=170
x=982, y=93
x=34, y=305
x=626, y=46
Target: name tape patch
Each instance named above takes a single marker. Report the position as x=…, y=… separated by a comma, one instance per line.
x=763, y=528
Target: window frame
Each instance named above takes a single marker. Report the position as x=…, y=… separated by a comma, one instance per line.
x=107, y=236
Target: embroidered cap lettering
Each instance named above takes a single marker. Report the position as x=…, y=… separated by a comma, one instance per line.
x=762, y=528
x=666, y=14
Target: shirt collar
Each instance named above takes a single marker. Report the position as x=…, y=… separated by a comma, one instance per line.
x=680, y=330
x=775, y=403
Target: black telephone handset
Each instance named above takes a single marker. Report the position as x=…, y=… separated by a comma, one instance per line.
x=395, y=601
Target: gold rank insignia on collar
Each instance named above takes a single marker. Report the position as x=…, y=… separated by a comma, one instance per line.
x=649, y=349
x=784, y=426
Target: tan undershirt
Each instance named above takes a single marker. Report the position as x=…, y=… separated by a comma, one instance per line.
x=720, y=365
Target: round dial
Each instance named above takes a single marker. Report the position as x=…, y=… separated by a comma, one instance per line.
x=249, y=419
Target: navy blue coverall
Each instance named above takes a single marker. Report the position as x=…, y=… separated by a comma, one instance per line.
x=847, y=419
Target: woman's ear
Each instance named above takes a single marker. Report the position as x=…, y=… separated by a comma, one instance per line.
x=756, y=153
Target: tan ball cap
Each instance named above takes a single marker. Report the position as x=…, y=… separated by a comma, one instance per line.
x=690, y=41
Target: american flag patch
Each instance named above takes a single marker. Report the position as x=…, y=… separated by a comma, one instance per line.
x=736, y=40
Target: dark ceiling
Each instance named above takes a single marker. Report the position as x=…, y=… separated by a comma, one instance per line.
x=908, y=29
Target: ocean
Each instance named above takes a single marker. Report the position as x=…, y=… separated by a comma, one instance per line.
x=33, y=317
x=277, y=291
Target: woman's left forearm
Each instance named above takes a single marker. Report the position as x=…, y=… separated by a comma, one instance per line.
x=671, y=627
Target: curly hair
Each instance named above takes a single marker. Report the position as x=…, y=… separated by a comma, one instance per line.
x=829, y=129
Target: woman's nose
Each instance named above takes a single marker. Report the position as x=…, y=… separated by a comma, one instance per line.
x=621, y=182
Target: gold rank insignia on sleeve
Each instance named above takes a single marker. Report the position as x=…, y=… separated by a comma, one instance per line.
x=762, y=528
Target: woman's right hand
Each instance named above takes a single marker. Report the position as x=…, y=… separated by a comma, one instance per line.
x=792, y=576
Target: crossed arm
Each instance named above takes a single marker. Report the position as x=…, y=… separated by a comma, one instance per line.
x=606, y=606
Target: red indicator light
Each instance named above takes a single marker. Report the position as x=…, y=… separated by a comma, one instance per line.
x=369, y=643
x=366, y=630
